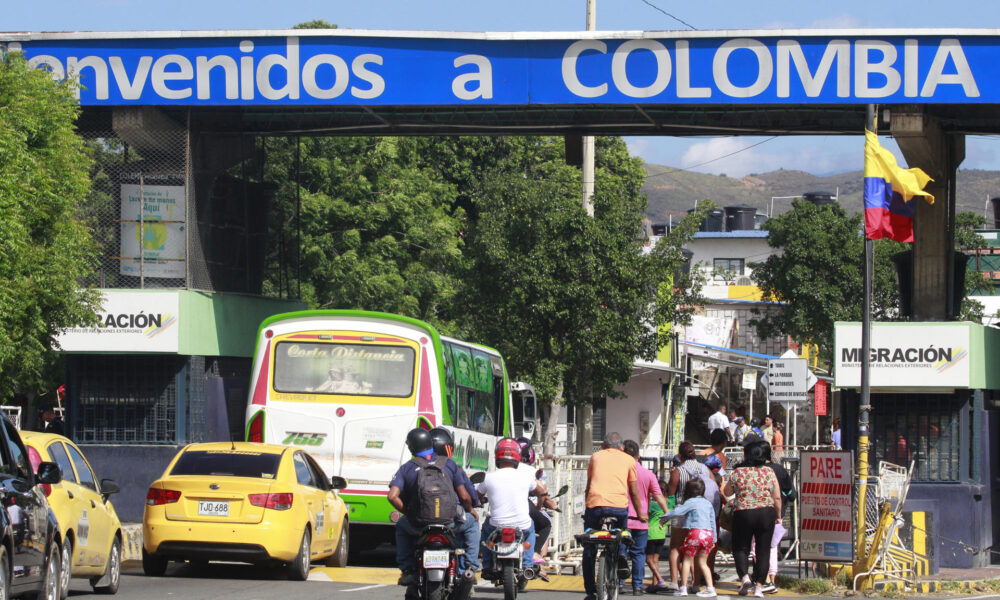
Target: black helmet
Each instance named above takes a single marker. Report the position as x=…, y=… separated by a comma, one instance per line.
x=419, y=440
x=442, y=441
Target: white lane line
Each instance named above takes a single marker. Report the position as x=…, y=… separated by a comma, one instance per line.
x=366, y=587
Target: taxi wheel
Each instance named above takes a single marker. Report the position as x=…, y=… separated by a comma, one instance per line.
x=114, y=569
x=152, y=564
x=339, y=556
x=67, y=569
x=298, y=569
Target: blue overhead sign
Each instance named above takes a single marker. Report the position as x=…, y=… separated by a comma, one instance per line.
x=302, y=69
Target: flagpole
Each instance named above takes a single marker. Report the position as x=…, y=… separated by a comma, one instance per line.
x=864, y=406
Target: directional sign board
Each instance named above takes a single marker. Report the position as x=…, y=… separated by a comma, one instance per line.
x=786, y=380
x=827, y=506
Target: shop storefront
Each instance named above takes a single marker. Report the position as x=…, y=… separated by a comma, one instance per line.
x=933, y=405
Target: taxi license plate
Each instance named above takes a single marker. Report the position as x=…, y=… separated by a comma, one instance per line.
x=209, y=508
x=435, y=559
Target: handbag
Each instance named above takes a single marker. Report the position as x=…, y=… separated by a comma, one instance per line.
x=726, y=517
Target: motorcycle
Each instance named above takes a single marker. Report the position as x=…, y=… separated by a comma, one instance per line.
x=508, y=545
x=438, y=574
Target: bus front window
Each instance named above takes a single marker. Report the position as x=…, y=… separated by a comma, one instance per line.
x=344, y=369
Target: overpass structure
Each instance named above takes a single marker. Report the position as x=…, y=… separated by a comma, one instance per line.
x=182, y=108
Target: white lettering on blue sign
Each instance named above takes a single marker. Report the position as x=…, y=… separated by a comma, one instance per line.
x=280, y=70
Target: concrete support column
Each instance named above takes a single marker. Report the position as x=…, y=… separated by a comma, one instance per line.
x=925, y=145
x=585, y=430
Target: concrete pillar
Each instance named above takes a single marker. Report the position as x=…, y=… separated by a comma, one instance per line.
x=926, y=145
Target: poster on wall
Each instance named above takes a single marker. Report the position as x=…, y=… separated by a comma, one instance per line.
x=163, y=231
x=128, y=322
x=826, y=503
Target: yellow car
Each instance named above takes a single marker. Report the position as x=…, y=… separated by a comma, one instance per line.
x=87, y=520
x=246, y=502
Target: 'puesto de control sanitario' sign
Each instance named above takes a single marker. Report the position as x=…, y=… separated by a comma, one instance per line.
x=420, y=68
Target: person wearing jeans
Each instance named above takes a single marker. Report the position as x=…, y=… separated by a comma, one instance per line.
x=611, y=482
x=648, y=486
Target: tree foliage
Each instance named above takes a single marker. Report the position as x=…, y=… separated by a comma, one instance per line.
x=817, y=274
x=44, y=247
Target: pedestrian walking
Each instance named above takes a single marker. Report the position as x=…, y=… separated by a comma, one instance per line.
x=756, y=509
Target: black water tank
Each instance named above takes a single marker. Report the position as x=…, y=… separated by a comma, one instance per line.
x=659, y=229
x=740, y=217
x=713, y=221
x=820, y=198
x=996, y=212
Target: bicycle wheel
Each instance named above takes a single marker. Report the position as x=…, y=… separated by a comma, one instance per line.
x=607, y=576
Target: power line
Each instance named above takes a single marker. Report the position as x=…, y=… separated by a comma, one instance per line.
x=713, y=159
x=670, y=15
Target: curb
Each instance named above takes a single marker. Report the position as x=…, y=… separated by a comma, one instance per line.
x=928, y=587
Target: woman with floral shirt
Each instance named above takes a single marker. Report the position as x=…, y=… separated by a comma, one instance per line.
x=756, y=509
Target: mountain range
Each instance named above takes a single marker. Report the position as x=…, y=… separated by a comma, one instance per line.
x=672, y=192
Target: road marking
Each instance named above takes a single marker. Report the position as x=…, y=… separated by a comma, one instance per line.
x=366, y=587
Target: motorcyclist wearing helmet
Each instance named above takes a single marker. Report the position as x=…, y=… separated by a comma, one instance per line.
x=507, y=489
x=402, y=496
x=466, y=526
x=539, y=520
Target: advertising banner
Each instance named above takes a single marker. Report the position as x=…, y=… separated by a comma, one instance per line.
x=419, y=68
x=907, y=355
x=826, y=506
x=162, y=212
x=128, y=322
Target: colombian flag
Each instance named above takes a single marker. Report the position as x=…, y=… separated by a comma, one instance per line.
x=888, y=193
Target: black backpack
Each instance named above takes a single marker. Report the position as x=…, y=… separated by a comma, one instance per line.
x=436, y=503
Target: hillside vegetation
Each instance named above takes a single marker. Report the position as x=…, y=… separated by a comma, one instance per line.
x=671, y=192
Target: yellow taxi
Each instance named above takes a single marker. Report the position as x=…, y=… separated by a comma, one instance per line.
x=246, y=502
x=87, y=520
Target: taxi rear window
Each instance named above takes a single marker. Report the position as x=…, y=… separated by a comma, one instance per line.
x=234, y=464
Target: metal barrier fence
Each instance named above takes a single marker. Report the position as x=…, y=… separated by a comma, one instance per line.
x=564, y=552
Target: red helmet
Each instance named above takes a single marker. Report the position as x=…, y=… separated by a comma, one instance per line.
x=508, y=449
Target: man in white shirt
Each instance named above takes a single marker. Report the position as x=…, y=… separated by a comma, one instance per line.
x=719, y=420
x=507, y=490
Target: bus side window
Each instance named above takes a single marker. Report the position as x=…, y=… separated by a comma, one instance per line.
x=484, y=423
x=450, y=392
x=466, y=402
x=498, y=405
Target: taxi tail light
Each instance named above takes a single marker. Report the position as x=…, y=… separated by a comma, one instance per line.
x=157, y=496
x=507, y=535
x=255, y=433
x=281, y=501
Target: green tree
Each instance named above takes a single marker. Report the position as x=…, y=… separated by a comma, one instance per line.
x=379, y=230
x=44, y=246
x=817, y=274
x=568, y=299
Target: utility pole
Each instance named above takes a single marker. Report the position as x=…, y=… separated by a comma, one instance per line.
x=588, y=140
x=585, y=413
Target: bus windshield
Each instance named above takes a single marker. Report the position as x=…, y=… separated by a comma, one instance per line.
x=343, y=368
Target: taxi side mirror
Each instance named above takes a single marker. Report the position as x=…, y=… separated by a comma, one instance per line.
x=49, y=472
x=108, y=487
x=338, y=483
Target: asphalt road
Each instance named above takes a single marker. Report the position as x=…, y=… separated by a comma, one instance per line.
x=373, y=577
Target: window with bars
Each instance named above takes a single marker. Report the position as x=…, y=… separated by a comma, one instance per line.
x=924, y=428
x=727, y=269
x=123, y=399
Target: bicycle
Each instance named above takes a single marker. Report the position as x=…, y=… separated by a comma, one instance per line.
x=611, y=563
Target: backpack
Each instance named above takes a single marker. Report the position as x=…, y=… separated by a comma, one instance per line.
x=436, y=503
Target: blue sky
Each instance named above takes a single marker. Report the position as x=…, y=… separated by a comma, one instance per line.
x=820, y=155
